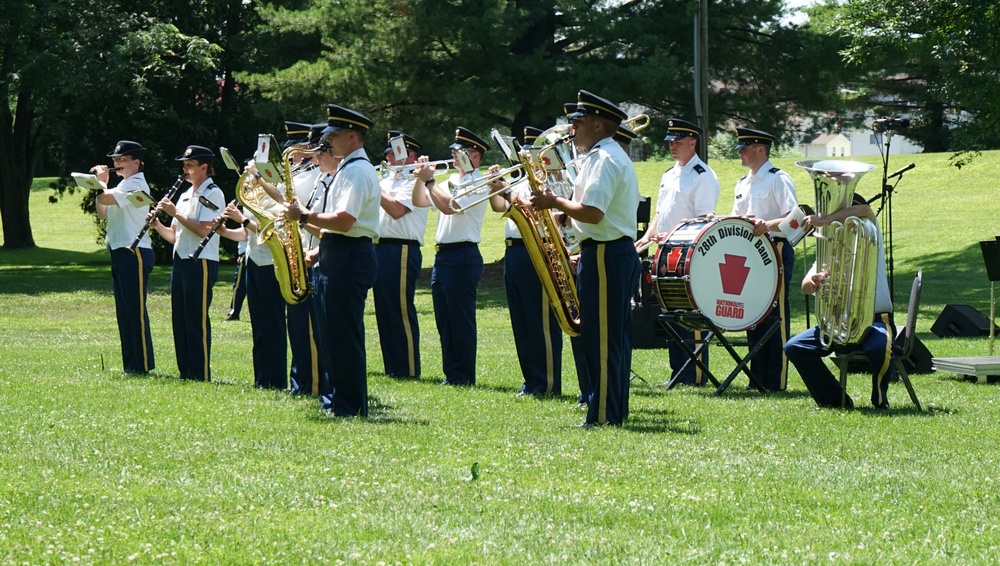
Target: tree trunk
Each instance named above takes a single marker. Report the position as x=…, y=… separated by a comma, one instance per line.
x=17, y=153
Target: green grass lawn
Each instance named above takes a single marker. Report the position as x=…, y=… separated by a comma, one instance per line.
x=99, y=467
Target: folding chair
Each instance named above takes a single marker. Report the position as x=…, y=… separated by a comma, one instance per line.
x=900, y=351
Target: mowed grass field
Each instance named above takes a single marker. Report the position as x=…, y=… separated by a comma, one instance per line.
x=99, y=467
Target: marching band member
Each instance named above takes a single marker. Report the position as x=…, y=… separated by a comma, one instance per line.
x=805, y=350
x=126, y=215
x=308, y=368
x=688, y=189
x=458, y=264
x=767, y=193
x=537, y=336
x=402, y=222
x=603, y=212
x=267, y=306
x=348, y=223
x=191, y=280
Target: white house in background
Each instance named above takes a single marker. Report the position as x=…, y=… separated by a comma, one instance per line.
x=858, y=143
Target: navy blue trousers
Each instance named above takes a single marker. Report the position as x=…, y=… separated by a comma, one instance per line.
x=191, y=282
x=692, y=374
x=267, y=318
x=347, y=269
x=239, y=287
x=307, y=368
x=770, y=365
x=609, y=277
x=454, y=281
x=130, y=278
x=537, y=336
x=394, y=290
x=806, y=354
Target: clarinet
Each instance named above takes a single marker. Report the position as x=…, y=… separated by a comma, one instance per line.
x=154, y=211
x=211, y=232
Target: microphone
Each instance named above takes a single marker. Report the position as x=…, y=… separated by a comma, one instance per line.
x=886, y=123
x=902, y=170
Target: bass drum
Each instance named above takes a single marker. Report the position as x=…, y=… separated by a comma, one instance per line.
x=715, y=267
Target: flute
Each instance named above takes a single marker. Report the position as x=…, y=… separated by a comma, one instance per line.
x=211, y=232
x=153, y=212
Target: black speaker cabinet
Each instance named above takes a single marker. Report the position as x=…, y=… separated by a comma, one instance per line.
x=962, y=320
x=919, y=360
x=647, y=334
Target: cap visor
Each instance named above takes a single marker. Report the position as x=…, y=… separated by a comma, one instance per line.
x=331, y=129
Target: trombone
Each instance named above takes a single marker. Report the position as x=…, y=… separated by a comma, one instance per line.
x=637, y=123
x=462, y=190
x=440, y=166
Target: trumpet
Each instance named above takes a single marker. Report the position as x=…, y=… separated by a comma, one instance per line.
x=384, y=170
x=462, y=190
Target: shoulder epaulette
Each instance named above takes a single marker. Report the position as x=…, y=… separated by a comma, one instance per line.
x=699, y=168
x=773, y=170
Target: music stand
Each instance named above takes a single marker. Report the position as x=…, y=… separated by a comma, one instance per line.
x=742, y=364
x=991, y=257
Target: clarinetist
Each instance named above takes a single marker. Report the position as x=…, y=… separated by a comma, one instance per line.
x=191, y=280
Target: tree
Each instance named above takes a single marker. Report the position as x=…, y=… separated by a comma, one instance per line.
x=426, y=66
x=934, y=60
x=77, y=81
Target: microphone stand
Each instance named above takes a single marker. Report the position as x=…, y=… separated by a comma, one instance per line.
x=886, y=204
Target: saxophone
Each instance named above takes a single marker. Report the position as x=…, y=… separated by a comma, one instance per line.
x=281, y=236
x=845, y=303
x=546, y=249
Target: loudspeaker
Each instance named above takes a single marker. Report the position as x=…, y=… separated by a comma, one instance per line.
x=919, y=360
x=646, y=331
x=962, y=320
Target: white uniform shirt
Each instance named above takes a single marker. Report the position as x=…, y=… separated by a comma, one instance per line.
x=767, y=194
x=467, y=225
x=303, y=183
x=607, y=181
x=126, y=219
x=189, y=206
x=410, y=226
x=355, y=191
x=686, y=191
x=522, y=189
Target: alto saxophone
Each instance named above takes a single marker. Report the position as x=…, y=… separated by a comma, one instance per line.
x=546, y=249
x=281, y=236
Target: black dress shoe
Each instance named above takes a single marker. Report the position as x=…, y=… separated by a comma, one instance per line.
x=883, y=406
x=231, y=318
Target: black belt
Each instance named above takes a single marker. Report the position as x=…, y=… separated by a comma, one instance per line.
x=592, y=242
x=514, y=242
x=331, y=237
x=455, y=246
x=399, y=241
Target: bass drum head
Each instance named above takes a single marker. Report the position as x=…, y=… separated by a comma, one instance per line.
x=734, y=275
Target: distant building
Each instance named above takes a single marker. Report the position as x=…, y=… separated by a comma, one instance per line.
x=858, y=143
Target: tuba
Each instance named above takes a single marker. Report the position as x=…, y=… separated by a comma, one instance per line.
x=546, y=248
x=281, y=236
x=845, y=303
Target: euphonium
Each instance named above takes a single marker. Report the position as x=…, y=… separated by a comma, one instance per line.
x=280, y=236
x=546, y=249
x=848, y=251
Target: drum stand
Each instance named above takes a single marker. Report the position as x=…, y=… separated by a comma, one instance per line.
x=743, y=364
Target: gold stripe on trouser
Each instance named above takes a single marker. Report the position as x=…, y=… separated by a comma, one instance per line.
x=204, y=315
x=314, y=357
x=602, y=290
x=142, y=310
x=783, y=327
x=547, y=335
x=884, y=370
x=698, y=374
x=411, y=357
